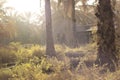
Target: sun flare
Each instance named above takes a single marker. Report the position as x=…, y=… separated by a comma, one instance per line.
x=90, y=2
x=26, y=5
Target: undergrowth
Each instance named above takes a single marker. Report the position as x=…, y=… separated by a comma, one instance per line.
x=29, y=62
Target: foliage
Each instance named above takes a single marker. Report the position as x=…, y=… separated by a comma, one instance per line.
x=27, y=51
x=5, y=74
x=7, y=25
x=40, y=67
x=28, y=71
x=26, y=60
x=38, y=51
x=7, y=56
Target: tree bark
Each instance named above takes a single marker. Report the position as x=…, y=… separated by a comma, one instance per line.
x=106, y=36
x=50, y=49
x=70, y=17
x=74, y=23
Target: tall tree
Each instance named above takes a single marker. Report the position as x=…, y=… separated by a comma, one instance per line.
x=69, y=9
x=7, y=25
x=50, y=50
x=74, y=22
x=106, y=35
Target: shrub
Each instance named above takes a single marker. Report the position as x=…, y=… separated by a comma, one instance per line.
x=5, y=74
x=38, y=51
x=24, y=54
x=7, y=56
x=29, y=71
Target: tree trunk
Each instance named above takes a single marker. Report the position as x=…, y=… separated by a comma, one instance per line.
x=106, y=36
x=70, y=17
x=74, y=23
x=50, y=50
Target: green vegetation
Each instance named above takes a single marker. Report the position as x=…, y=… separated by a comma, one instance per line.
x=71, y=40
x=29, y=62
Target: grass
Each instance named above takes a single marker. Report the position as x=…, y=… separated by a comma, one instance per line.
x=70, y=64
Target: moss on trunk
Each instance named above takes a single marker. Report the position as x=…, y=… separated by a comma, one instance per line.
x=106, y=35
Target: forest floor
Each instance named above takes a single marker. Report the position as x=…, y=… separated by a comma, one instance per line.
x=29, y=62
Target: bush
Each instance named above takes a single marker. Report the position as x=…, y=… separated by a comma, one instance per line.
x=69, y=64
x=5, y=74
x=24, y=54
x=30, y=71
x=7, y=56
x=38, y=51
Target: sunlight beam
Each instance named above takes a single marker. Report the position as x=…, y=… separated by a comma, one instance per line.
x=26, y=5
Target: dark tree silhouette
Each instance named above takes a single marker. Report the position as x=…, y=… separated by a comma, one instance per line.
x=106, y=35
x=50, y=50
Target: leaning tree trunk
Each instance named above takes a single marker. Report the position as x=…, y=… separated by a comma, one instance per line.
x=106, y=36
x=50, y=50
